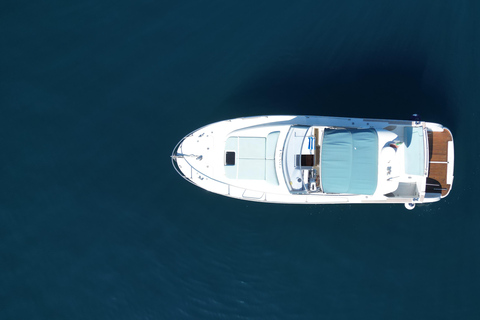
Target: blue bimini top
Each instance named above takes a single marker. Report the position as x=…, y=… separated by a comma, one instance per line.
x=349, y=161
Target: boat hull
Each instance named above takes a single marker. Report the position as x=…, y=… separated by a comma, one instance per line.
x=200, y=159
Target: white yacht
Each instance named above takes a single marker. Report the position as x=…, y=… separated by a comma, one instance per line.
x=320, y=160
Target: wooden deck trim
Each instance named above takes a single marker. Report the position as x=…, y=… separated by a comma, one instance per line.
x=317, y=146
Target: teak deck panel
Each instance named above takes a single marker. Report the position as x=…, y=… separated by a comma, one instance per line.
x=438, y=155
x=437, y=142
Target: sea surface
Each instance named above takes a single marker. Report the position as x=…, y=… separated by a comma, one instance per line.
x=96, y=224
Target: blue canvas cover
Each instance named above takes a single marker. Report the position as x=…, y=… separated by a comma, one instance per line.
x=349, y=161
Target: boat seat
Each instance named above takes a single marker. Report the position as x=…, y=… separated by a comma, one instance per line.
x=254, y=158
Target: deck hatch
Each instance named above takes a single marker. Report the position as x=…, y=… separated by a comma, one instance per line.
x=229, y=158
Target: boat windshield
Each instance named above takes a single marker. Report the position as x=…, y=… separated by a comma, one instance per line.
x=292, y=152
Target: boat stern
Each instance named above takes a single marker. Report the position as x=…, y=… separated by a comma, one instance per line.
x=441, y=161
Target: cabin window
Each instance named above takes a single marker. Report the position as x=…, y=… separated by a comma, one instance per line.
x=229, y=158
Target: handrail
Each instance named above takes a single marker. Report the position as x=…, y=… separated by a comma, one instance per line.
x=174, y=156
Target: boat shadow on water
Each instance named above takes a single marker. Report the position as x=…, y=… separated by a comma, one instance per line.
x=388, y=86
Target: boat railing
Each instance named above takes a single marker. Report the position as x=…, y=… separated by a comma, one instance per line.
x=174, y=156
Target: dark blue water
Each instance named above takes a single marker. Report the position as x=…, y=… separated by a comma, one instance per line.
x=96, y=224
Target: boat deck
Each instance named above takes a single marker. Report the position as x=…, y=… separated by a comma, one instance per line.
x=438, y=155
